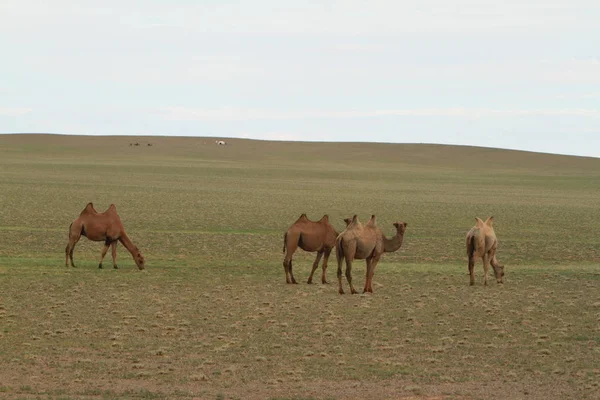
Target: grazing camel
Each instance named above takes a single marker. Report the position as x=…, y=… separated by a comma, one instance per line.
x=482, y=242
x=365, y=242
x=309, y=236
x=106, y=227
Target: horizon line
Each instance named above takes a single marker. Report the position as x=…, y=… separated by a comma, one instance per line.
x=297, y=141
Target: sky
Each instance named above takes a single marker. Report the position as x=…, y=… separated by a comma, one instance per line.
x=511, y=74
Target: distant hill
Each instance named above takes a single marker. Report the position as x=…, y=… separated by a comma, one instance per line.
x=312, y=153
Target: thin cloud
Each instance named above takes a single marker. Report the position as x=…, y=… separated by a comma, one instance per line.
x=328, y=17
x=577, y=96
x=15, y=111
x=285, y=136
x=241, y=114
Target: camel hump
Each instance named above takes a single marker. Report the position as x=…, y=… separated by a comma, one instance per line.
x=325, y=218
x=490, y=222
x=303, y=217
x=372, y=221
x=479, y=223
x=112, y=207
x=89, y=209
x=355, y=219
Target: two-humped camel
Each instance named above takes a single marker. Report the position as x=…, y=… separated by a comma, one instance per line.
x=365, y=242
x=482, y=242
x=310, y=236
x=101, y=227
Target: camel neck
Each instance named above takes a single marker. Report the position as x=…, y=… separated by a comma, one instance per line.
x=393, y=244
x=124, y=239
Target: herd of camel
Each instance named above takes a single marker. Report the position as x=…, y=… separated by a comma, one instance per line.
x=356, y=242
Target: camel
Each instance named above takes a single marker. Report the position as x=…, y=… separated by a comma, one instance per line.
x=309, y=236
x=365, y=242
x=106, y=227
x=482, y=242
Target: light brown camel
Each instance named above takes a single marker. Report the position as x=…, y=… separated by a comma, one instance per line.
x=482, y=242
x=101, y=227
x=309, y=236
x=365, y=242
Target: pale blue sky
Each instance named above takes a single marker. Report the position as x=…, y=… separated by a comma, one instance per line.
x=512, y=74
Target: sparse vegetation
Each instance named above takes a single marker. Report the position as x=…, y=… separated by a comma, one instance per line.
x=211, y=316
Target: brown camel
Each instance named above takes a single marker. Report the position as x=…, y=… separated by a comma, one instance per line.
x=482, y=242
x=365, y=242
x=101, y=227
x=309, y=236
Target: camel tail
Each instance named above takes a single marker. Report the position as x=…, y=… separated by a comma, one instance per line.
x=284, y=241
x=471, y=246
x=339, y=250
x=69, y=234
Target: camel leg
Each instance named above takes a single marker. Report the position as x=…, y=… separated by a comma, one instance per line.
x=338, y=256
x=349, y=274
x=113, y=246
x=292, y=273
x=104, y=250
x=369, y=262
x=291, y=247
x=69, y=253
x=371, y=272
x=472, y=270
x=71, y=256
x=325, y=259
x=287, y=267
x=314, y=266
x=73, y=239
x=486, y=267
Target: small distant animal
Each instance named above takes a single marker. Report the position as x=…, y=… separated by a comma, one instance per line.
x=101, y=227
x=310, y=236
x=482, y=242
x=149, y=144
x=220, y=142
x=365, y=242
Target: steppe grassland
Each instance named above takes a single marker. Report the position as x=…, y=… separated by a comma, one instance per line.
x=212, y=316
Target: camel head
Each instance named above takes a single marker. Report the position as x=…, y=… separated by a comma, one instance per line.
x=139, y=259
x=499, y=272
x=400, y=227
